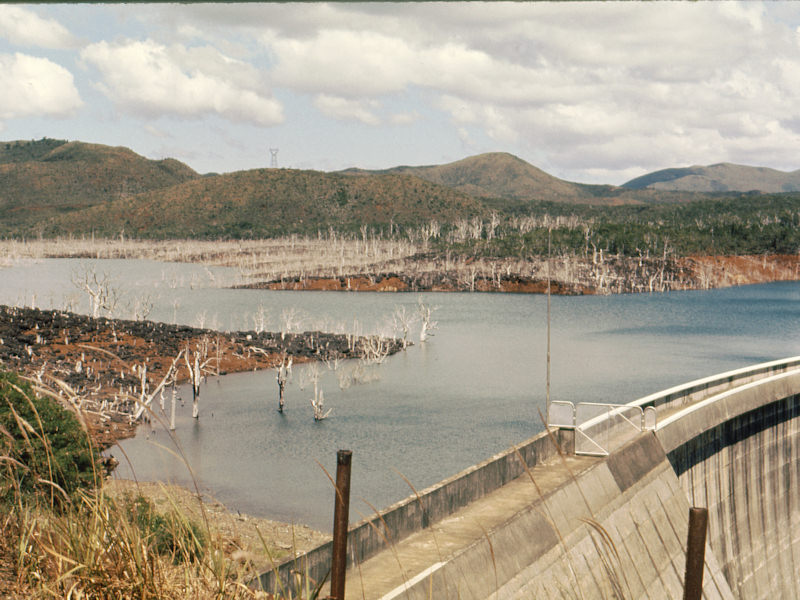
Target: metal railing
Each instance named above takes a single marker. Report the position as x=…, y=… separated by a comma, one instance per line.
x=602, y=427
x=561, y=414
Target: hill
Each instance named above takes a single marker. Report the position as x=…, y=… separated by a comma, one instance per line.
x=57, y=187
x=501, y=175
x=722, y=177
x=40, y=179
x=270, y=202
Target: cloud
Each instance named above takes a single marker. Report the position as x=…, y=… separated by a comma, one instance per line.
x=588, y=88
x=155, y=131
x=35, y=87
x=404, y=118
x=673, y=80
x=344, y=108
x=24, y=27
x=152, y=79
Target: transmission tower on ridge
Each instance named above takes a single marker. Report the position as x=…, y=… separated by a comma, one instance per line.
x=273, y=163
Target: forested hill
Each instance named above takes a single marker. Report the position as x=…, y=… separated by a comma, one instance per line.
x=498, y=175
x=45, y=178
x=723, y=177
x=274, y=202
x=511, y=184
x=55, y=187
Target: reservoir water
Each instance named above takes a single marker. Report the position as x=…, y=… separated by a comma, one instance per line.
x=473, y=389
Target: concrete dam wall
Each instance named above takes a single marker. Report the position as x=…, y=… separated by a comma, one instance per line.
x=745, y=468
x=545, y=523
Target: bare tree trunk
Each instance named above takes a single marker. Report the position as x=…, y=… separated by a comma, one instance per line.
x=172, y=413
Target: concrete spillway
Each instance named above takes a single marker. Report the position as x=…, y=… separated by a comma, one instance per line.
x=538, y=521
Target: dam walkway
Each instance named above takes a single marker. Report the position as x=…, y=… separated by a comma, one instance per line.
x=560, y=517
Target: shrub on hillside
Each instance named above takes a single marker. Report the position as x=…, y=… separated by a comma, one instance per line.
x=44, y=452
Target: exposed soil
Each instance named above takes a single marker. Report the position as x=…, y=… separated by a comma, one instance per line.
x=95, y=364
x=393, y=282
x=724, y=271
x=614, y=274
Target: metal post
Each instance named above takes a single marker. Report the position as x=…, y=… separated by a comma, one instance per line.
x=695, y=553
x=547, y=384
x=340, y=520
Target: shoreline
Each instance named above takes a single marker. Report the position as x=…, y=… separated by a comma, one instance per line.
x=391, y=266
x=96, y=365
x=615, y=276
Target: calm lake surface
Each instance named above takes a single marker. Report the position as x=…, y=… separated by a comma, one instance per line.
x=470, y=391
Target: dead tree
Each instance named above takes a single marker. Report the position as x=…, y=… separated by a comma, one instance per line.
x=145, y=399
x=196, y=363
x=261, y=319
x=375, y=349
x=428, y=324
x=102, y=295
x=402, y=322
x=311, y=374
x=142, y=307
x=284, y=371
x=318, y=406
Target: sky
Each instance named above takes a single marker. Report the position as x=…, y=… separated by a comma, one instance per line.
x=593, y=92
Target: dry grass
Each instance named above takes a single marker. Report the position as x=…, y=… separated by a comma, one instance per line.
x=125, y=541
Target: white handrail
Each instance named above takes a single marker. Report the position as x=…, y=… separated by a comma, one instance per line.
x=687, y=388
x=717, y=397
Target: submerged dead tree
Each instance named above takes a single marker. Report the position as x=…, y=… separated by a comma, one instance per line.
x=319, y=406
x=193, y=368
x=428, y=324
x=284, y=371
x=318, y=399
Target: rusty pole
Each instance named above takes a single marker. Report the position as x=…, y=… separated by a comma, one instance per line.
x=695, y=553
x=340, y=518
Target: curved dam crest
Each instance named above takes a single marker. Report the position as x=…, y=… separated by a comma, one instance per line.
x=539, y=521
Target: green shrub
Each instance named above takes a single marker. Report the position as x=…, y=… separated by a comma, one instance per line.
x=168, y=534
x=44, y=452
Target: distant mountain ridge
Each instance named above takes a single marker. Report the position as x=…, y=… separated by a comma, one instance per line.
x=721, y=177
x=72, y=188
x=495, y=175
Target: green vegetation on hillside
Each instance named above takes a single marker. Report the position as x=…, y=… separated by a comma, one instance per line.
x=58, y=188
x=23, y=151
x=47, y=455
x=273, y=202
x=721, y=177
x=744, y=224
x=43, y=179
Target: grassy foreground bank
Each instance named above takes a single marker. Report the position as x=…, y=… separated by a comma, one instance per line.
x=67, y=532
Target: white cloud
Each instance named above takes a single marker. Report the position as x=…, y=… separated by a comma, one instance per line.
x=155, y=131
x=404, y=118
x=35, y=87
x=344, y=108
x=24, y=27
x=588, y=87
x=344, y=63
x=670, y=79
x=151, y=79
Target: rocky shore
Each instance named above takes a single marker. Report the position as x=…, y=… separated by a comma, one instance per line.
x=97, y=365
x=394, y=282
x=569, y=275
